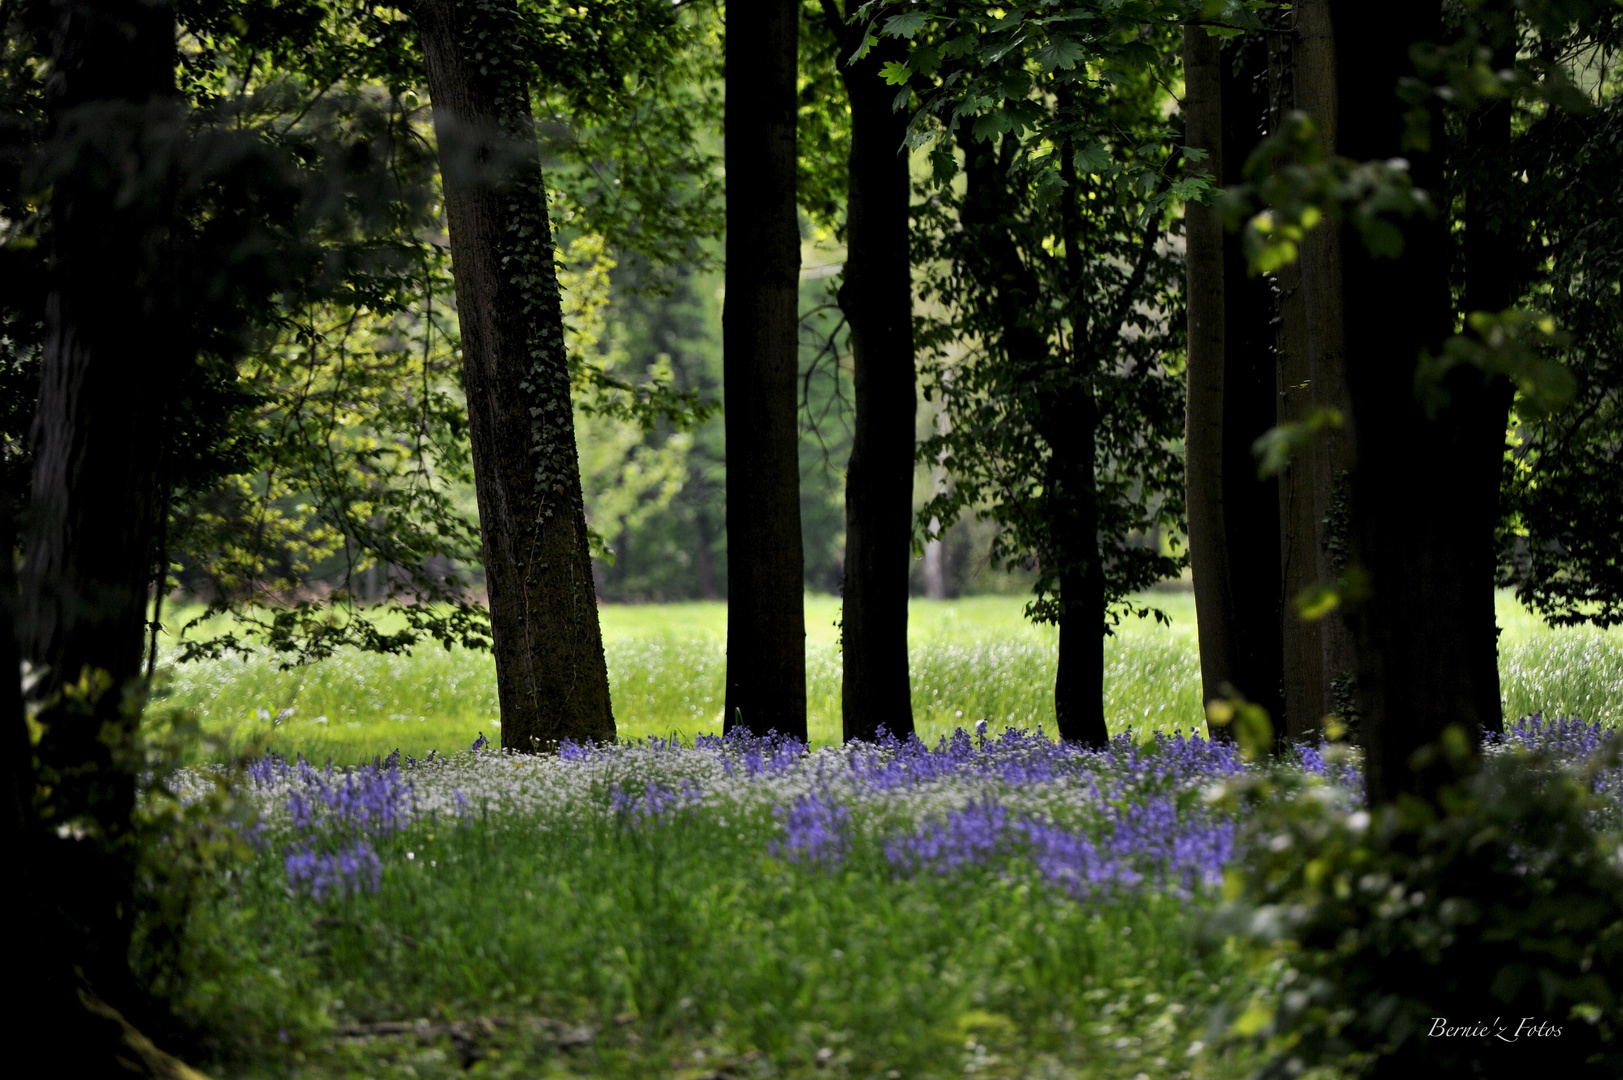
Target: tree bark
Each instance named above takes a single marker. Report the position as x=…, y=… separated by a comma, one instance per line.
x=1203, y=425
x=1251, y=520
x=1490, y=286
x=1319, y=288
x=1410, y=512
x=111, y=353
x=766, y=620
x=877, y=298
x=1303, y=683
x=1233, y=516
x=112, y=349
x=551, y=678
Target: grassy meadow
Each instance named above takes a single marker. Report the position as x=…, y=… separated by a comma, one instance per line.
x=701, y=909
x=972, y=658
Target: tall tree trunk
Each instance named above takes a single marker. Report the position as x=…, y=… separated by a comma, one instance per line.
x=1490, y=286
x=1071, y=429
x=877, y=298
x=1203, y=425
x=1250, y=403
x=766, y=619
x=551, y=678
x=1318, y=268
x=1410, y=512
x=1303, y=646
x=111, y=354
x=1233, y=517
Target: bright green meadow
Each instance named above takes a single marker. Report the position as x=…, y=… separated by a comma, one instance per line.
x=972, y=658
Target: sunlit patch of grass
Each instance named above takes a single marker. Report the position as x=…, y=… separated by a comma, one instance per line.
x=972, y=658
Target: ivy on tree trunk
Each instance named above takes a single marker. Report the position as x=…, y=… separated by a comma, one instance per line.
x=551, y=677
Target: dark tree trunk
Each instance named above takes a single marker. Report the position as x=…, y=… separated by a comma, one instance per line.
x=87, y=1037
x=1410, y=511
x=111, y=353
x=1233, y=516
x=1490, y=286
x=1071, y=429
x=112, y=350
x=1203, y=427
x=1079, y=676
x=550, y=673
x=1318, y=269
x=1251, y=519
x=1303, y=684
x=766, y=620
x=877, y=298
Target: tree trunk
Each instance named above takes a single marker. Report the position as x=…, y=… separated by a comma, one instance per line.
x=111, y=354
x=1490, y=286
x=1203, y=426
x=87, y=1036
x=877, y=298
x=766, y=620
x=1251, y=519
x=1233, y=516
x=1079, y=676
x=551, y=678
x=1410, y=512
x=1319, y=288
x=1070, y=422
x=1303, y=647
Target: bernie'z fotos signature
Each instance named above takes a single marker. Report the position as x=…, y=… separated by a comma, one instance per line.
x=1528, y=1027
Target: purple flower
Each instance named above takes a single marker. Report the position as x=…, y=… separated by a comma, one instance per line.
x=334, y=873
x=815, y=830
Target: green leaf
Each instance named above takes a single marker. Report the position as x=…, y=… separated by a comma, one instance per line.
x=905, y=26
x=1092, y=159
x=1059, y=53
x=896, y=73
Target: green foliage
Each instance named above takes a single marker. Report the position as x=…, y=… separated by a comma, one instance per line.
x=1056, y=348
x=1501, y=903
x=1562, y=498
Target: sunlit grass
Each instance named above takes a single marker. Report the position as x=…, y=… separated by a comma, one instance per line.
x=971, y=658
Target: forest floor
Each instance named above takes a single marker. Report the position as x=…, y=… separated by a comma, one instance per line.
x=973, y=658
x=705, y=909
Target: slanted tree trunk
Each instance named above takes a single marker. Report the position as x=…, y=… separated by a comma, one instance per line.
x=766, y=619
x=877, y=298
x=551, y=678
x=1410, y=511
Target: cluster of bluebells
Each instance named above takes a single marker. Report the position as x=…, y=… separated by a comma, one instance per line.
x=331, y=819
x=1132, y=816
x=1571, y=741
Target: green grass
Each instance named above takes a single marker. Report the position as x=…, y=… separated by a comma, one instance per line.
x=691, y=948
x=971, y=658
